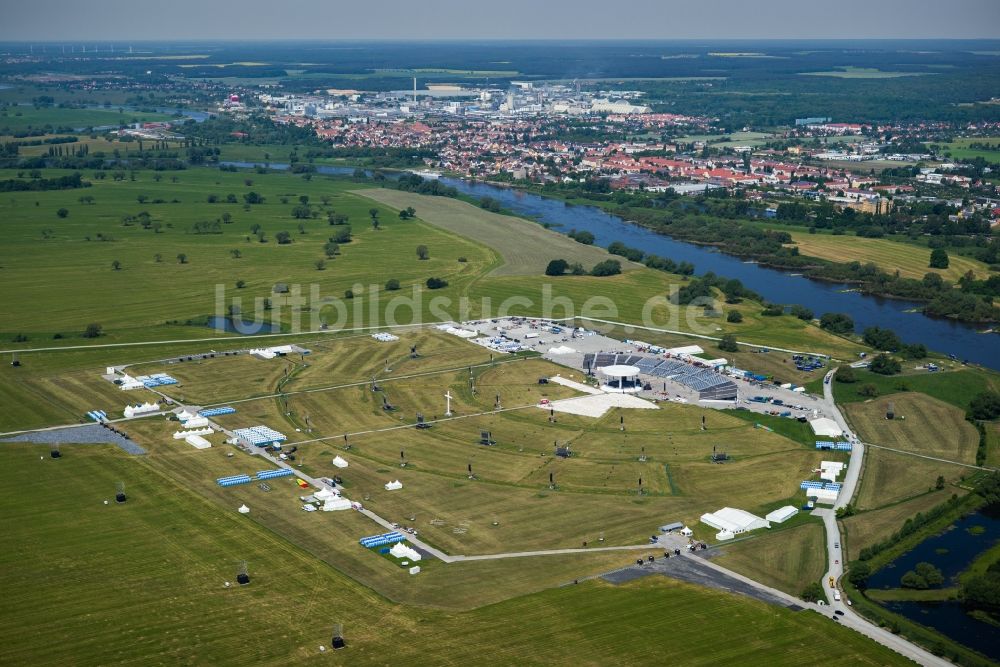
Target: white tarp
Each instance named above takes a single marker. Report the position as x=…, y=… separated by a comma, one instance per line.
x=243, y=509
x=180, y=435
x=393, y=486
x=196, y=422
x=197, y=442
x=782, y=514
x=401, y=551
x=336, y=504
x=339, y=461
x=561, y=349
x=826, y=426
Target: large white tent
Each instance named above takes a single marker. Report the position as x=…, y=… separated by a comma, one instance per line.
x=826, y=426
x=782, y=514
x=336, y=504
x=733, y=521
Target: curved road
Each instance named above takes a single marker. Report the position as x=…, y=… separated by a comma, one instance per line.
x=835, y=556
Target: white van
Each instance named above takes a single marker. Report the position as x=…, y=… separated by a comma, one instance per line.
x=836, y=595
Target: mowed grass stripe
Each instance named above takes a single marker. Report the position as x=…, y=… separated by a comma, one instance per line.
x=911, y=260
x=141, y=583
x=526, y=247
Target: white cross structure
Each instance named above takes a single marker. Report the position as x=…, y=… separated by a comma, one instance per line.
x=447, y=410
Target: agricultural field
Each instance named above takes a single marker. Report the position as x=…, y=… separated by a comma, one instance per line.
x=18, y=118
x=850, y=72
x=953, y=384
x=597, y=483
x=889, y=477
x=132, y=599
x=786, y=558
x=911, y=260
x=960, y=149
x=525, y=247
x=923, y=425
x=44, y=255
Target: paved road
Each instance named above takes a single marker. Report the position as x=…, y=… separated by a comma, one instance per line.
x=835, y=558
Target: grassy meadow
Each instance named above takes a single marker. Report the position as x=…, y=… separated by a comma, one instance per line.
x=911, y=260
x=19, y=118
x=104, y=576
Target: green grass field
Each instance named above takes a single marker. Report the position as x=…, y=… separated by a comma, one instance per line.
x=889, y=477
x=143, y=582
x=46, y=270
x=850, y=72
x=788, y=559
x=525, y=247
x=911, y=260
x=923, y=425
x=956, y=387
x=17, y=118
x=960, y=149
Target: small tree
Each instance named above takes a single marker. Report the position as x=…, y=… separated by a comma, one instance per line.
x=240, y=284
x=556, y=267
x=116, y=265
x=939, y=483
x=858, y=574
x=609, y=267
x=436, y=283
x=423, y=252
x=182, y=258
x=985, y=405
x=939, y=259
x=283, y=238
x=883, y=364
x=331, y=249
x=734, y=317
x=375, y=223
x=391, y=285
x=813, y=592
x=157, y=258
x=93, y=330
x=63, y=212
x=846, y=375
x=349, y=294
x=728, y=343
x=320, y=264
x=868, y=390
x=235, y=253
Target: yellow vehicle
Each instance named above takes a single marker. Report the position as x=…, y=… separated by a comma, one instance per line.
x=831, y=583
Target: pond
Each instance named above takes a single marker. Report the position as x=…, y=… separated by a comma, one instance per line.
x=242, y=327
x=951, y=552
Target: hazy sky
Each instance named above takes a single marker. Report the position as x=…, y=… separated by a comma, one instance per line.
x=133, y=20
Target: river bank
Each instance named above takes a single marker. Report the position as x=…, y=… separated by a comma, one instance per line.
x=946, y=336
x=934, y=617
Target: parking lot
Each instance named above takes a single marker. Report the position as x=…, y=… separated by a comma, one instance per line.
x=567, y=346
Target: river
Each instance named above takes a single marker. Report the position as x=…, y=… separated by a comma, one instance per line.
x=948, y=336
